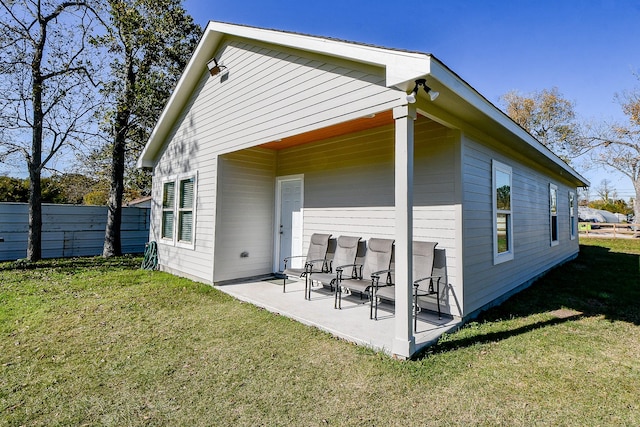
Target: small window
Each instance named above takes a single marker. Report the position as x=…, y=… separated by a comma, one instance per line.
x=553, y=213
x=572, y=214
x=185, y=210
x=502, y=213
x=178, y=210
x=168, y=206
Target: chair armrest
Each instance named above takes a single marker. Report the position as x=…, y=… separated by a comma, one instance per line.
x=308, y=266
x=340, y=269
x=291, y=257
x=430, y=291
x=375, y=278
x=417, y=281
x=378, y=273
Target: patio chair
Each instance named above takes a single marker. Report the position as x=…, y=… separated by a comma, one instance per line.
x=315, y=258
x=425, y=283
x=377, y=261
x=345, y=254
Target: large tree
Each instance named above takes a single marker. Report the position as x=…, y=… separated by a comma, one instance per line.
x=617, y=145
x=46, y=89
x=150, y=42
x=546, y=115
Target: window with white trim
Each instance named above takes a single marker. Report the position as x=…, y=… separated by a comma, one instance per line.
x=572, y=215
x=502, y=213
x=553, y=213
x=178, y=210
x=185, y=210
x=168, y=206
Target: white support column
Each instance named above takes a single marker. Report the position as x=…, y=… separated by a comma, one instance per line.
x=404, y=341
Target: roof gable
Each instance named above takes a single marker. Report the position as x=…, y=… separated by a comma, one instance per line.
x=458, y=99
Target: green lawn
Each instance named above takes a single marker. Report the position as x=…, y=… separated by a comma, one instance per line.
x=94, y=342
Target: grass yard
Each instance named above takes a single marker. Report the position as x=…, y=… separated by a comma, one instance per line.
x=99, y=342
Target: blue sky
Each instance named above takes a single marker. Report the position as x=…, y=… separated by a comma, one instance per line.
x=588, y=49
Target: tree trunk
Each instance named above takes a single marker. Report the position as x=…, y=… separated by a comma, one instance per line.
x=34, y=241
x=636, y=202
x=112, y=241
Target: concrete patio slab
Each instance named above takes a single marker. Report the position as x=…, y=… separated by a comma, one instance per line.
x=351, y=323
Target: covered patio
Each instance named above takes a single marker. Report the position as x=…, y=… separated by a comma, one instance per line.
x=351, y=323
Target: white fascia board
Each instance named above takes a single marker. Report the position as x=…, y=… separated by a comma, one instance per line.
x=449, y=79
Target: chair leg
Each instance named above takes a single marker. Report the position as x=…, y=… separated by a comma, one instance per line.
x=375, y=313
x=415, y=311
x=438, y=299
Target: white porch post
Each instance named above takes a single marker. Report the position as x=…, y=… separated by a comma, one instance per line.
x=404, y=341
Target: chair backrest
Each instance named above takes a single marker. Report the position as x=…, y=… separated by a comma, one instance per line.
x=331, y=251
x=318, y=246
x=440, y=265
x=346, y=250
x=423, y=254
x=378, y=256
x=439, y=270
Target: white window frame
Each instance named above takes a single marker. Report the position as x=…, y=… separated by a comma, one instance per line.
x=177, y=210
x=172, y=209
x=500, y=257
x=553, y=217
x=573, y=224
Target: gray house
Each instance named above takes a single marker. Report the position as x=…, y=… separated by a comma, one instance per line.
x=271, y=136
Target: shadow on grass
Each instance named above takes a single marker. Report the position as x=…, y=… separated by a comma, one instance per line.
x=597, y=283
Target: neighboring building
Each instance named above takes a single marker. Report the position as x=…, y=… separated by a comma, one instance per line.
x=142, y=202
x=298, y=134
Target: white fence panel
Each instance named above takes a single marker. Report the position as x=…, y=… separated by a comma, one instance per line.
x=69, y=230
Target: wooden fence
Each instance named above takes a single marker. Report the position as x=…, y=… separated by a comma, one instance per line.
x=69, y=230
x=606, y=229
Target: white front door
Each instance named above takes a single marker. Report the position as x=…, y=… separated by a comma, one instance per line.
x=289, y=225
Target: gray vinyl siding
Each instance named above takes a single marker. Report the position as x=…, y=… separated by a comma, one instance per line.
x=187, y=154
x=267, y=95
x=349, y=187
x=245, y=214
x=533, y=253
x=271, y=94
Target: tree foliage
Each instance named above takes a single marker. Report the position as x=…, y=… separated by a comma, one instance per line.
x=46, y=89
x=150, y=42
x=614, y=206
x=546, y=115
x=13, y=189
x=68, y=188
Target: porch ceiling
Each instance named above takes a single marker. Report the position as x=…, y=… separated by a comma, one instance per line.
x=380, y=119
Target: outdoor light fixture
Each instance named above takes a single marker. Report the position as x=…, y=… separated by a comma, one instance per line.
x=215, y=68
x=411, y=98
